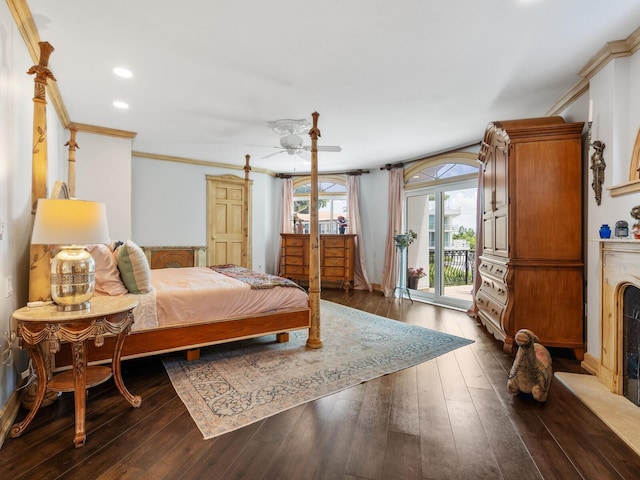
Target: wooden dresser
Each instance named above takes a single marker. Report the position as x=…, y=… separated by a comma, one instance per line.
x=531, y=267
x=336, y=258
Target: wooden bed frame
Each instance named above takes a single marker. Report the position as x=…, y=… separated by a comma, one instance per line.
x=192, y=337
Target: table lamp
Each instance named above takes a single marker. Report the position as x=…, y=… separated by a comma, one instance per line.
x=71, y=224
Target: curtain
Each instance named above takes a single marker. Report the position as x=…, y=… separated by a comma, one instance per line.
x=394, y=225
x=360, y=281
x=473, y=309
x=286, y=215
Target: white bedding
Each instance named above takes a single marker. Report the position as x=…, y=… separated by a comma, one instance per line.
x=201, y=295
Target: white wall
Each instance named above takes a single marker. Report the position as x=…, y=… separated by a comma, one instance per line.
x=170, y=207
x=16, y=120
x=616, y=119
x=103, y=174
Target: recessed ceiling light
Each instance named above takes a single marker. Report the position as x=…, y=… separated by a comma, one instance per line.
x=123, y=72
x=119, y=104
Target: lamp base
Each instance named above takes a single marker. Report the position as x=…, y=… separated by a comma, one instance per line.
x=74, y=308
x=72, y=278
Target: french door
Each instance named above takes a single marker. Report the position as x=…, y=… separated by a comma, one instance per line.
x=444, y=217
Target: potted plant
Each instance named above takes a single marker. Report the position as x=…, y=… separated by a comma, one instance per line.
x=413, y=275
x=342, y=223
x=403, y=240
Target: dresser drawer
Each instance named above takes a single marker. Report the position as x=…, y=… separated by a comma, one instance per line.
x=334, y=262
x=333, y=272
x=299, y=260
x=496, y=270
x=490, y=308
x=496, y=290
x=291, y=270
x=294, y=251
x=335, y=242
x=293, y=242
x=334, y=252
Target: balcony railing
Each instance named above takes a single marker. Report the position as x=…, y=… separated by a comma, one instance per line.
x=459, y=267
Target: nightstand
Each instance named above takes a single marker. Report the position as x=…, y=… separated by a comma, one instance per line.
x=40, y=331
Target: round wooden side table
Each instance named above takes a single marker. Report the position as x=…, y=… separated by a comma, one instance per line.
x=106, y=316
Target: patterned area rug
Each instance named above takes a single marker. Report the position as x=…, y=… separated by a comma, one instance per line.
x=236, y=384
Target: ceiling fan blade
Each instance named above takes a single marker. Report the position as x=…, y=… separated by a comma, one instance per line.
x=263, y=146
x=325, y=148
x=273, y=154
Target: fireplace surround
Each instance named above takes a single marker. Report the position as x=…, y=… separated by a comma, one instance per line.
x=620, y=269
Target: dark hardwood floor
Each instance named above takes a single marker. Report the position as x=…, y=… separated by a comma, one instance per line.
x=449, y=418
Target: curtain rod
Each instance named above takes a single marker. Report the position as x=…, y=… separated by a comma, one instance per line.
x=291, y=175
x=391, y=166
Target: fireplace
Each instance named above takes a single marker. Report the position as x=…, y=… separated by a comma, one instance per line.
x=631, y=343
x=620, y=314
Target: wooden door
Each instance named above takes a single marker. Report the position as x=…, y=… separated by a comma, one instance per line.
x=227, y=227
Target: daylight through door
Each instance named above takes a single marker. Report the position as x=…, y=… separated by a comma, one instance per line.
x=440, y=206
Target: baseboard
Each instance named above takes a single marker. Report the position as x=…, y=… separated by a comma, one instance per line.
x=8, y=415
x=591, y=364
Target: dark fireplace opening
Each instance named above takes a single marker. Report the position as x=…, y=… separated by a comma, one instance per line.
x=631, y=341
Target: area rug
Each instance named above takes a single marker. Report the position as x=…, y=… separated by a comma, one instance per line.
x=239, y=383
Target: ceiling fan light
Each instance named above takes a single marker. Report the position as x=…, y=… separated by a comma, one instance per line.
x=291, y=142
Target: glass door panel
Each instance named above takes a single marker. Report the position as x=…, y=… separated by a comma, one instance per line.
x=444, y=218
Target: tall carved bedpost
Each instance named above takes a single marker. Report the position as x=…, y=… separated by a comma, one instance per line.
x=314, y=340
x=246, y=246
x=39, y=288
x=73, y=145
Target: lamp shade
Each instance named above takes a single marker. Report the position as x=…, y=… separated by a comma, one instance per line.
x=70, y=222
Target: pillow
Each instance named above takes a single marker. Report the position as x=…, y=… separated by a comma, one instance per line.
x=134, y=268
x=108, y=280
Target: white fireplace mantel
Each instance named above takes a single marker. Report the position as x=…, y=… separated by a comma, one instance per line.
x=619, y=268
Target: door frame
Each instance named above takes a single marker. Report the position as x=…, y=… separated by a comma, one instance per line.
x=438, y=188
x=232, y=181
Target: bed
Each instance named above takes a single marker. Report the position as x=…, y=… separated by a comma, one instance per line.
x=188, y=308
x=171, y=333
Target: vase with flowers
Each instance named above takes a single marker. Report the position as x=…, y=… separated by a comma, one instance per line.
x=342, y=224
x=413, y=275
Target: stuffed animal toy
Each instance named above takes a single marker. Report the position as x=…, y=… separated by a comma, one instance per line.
x=531, y=371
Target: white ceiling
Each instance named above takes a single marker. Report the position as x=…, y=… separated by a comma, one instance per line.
x=392, y=80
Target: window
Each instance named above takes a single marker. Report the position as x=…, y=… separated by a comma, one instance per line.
x=332, y=203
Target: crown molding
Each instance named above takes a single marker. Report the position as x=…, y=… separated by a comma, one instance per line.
x=111, y=132
x=615, y=49
x=612, y=50
x=191, y=161
x=571, y=96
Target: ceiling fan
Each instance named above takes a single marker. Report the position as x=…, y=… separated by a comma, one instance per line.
x=290, y=142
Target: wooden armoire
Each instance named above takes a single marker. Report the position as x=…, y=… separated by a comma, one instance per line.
x=532, y=262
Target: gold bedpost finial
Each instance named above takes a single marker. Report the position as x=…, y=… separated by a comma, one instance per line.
x=42, y=72
x=73, y=145
x=314, y=340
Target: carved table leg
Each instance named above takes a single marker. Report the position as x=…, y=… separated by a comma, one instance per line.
x=79, y=391
x=41, y=372
x=134, y=400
